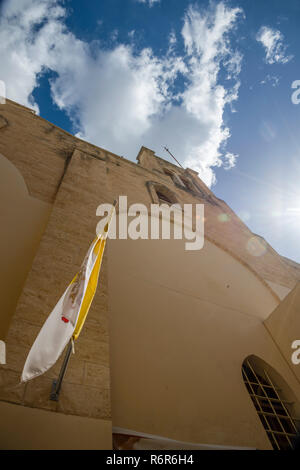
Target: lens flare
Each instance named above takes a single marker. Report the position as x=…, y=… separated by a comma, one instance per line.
x=256, y=246
x=223, y=218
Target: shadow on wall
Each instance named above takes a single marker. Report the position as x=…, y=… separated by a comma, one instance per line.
x=23, y=220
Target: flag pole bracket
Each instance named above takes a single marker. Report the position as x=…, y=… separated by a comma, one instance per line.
x=54, y=395
x=57, y=383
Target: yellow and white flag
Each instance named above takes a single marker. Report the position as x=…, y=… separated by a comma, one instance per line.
x=68, y=316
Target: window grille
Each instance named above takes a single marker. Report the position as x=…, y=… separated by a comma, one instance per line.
x=273, y=411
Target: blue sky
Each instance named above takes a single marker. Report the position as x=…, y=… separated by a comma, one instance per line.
x=211, y=80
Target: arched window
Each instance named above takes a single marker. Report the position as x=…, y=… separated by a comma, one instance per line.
x=169, y=173
x=193, y=186
x=184, y=182
x=161, y=194
x=175, y=178
x=273, y=401
x=163, y=198
x=188, y=184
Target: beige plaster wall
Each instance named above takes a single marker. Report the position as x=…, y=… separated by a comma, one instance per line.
x=33, y=429
x=280, y=290
x=284, y=326
x=181, y=324
x=22, y=220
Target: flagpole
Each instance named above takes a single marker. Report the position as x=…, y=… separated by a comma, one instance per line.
x=56, y=384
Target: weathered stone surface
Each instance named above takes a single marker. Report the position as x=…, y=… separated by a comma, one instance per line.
x=91, y=401
x=37, y=394
x=97, y=376
x=93, y=351
x=11, y=389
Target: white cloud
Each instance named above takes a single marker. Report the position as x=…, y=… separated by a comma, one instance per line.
x=149, y=2
x=121, y=99
x=207, y=43
x=230, y=160
x=30, y=31
x=172, y=38
x=273, y=43
x=117, y=97
x=272, y=79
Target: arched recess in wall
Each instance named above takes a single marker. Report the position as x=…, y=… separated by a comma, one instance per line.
x=161, y=194
x=184, y=182
x=177, y=180
x=274, y=402
x=23, y=220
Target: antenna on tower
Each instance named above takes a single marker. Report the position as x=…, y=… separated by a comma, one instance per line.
x=167, y=150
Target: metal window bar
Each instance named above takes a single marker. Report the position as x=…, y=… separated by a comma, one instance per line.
x=275, y=400
x=268, y=386
x=270, y=401
x=281, y=433
x=283, y=401
x=264, y=420
x=266, y=413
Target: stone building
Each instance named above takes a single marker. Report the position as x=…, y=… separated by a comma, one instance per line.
x=181, y=349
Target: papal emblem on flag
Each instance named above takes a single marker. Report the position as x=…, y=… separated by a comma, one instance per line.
x=68, y=316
